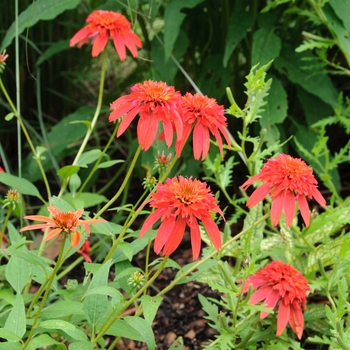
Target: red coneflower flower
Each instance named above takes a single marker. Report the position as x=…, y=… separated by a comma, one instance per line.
x=205, y=115
x=85, y=251
x=103, y=25
x=156, y=102
x=281, y=283
x=65, y=222
x=286, y=180
x=180, y=202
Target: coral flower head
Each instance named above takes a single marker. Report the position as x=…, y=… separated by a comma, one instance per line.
x=179, y=202
x=103, y=25
x=286, y=180
x=281, y=283
x=62, y=222
x=205, y=116
x=156, y=102
x=85, y=251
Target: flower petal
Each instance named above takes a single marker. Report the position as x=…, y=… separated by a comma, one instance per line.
x=289, y=207
x=195, y=239
x=296, y=319
x=127, y=120
x=35, y=227
x=283, y=317
x=213, y=231
x=75, y=238
x=258, y=195
x=53, y=234
x=175, y=237
x=163, y=233
x=150, y=221
x=276, y=208
x=304, y=209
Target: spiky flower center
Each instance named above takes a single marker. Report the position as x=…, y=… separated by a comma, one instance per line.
x=66, y=221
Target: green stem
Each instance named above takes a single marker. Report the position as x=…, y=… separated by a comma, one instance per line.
x=122, y=186
x=98, y=161
x=4, y=225
x=111, y=319
x=94, y=119
x=14, y=110
x=208, y=257
x=47, y=291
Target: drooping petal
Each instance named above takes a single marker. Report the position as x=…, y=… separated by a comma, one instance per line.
x=119, y=45
x=304, y=210
x=35, y=227
x=164, y=233
x=99, y=44
x=39, y=218
x=79, y=36
x=127, y=120
x=289, y=207
x=175, y=237
x=270, y=301
x=200, y=141
x=147, y=129
x=260, y=294
x=53, y=234
x=282, y=318
x=296, y=319
x=150, y=221
x=276, y=208
x=318, y=196
x=75, y=238
x=195, y=239
x=258, y=195
x=213, y=231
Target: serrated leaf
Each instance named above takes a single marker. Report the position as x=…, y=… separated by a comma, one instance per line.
x=312, y=44
x=39, y=10
x=240, y=23
x=88, y=157
x=173, y=18
x=68, y=171
x=16, y=321
x=266, y=46
x=150, y=307
x=17, y=273
x=22, y=185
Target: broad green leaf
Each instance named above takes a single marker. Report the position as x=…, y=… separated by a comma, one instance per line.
x=10, y=346
x=36, y=11
x=17, y=273
x=88, y=157
x=74, y=183
x=68, y=171
x=16, y=321
x=14, y=235
x=266, y=46
x=173, y=18
x=95, y=306
x=135, y=328
x=82, y=345
x=61, y=204
x=105, y=290
x=167, y=71
x=62, y=309
x=343, y=34
x=342, y=10
x=7, y=295
x=44, y=340
x=22, y=185
x=109, y=163
x=60, y=137
x=240, y=23
x=89, y=199
x=57, y=47
x=150, y=307
x=57, y=324
x=276, y=106
x=126, y=248
x=327, y=253
x=316, y=82
x=8, y=335
x=76, y=334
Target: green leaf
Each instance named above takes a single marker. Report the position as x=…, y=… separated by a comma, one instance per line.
x=106, y=290
x=337, y=27
x=178, y=344
x=81, y=345
x=61, y=204
x=95, y=306
x=9, y=116
x=39, y=10
x=16, y=321
x=8, y=335
x=266, y=46
x=57, y=47
x=22, y=185
x=42, y=341
x=173, y=18
x=276, y=107
x=316, y=83
x=240, y=23
x=150, y=307
x=57, y=324
x=74, y=183
x=135, y=328
x=68, y=171
x=342, y=10
x=62, y=309
x=88, y=157
x=109, y=163
x=10, y=346
x=17, y=273
x=89, y=199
